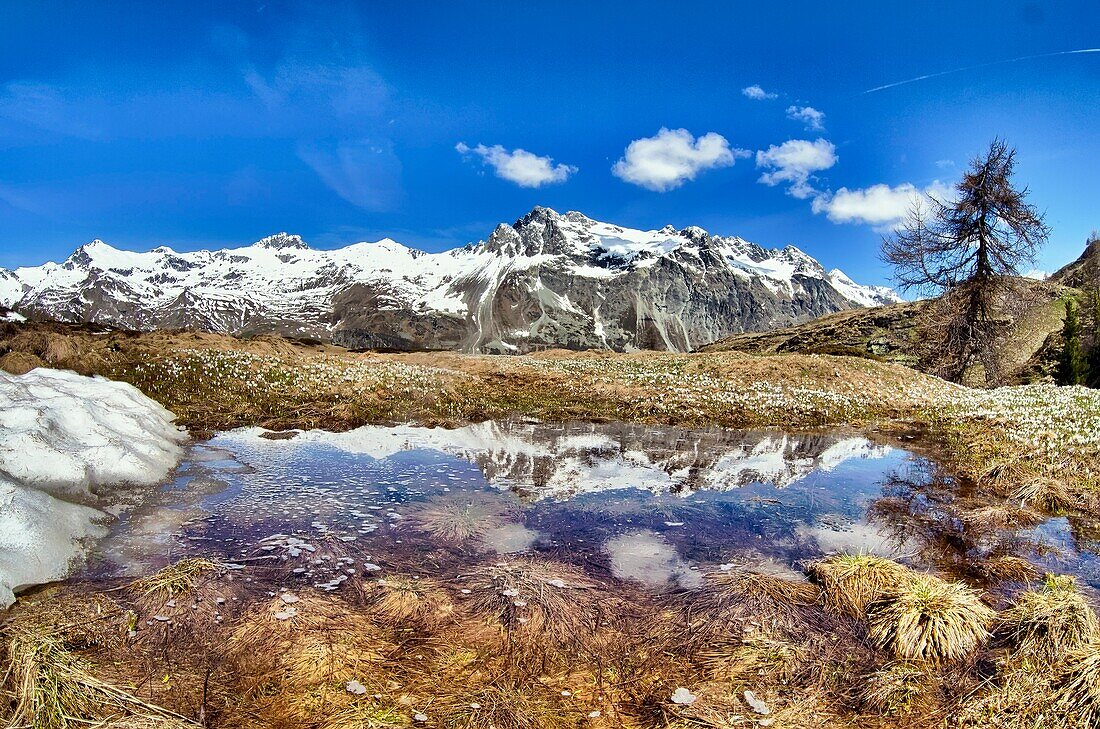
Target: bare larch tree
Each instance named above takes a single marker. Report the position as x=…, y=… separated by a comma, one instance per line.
x=968, y=250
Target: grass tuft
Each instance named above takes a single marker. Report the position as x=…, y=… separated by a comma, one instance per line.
x=177, y=578
x=929, y=619
x=853, y=581
x=1050, y=621
x=1006, y=568
x=403, y=601
x=731, y=601
x=1077, y=688
x=1044, y=493
x=539, y=602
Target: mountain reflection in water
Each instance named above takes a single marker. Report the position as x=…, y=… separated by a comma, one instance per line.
x=655, y=505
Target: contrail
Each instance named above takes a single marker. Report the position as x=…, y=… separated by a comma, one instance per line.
x=980, y=65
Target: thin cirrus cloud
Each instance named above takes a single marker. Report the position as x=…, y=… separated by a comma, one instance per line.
x=811, y=117
x=519, y=166
x=881, y=206
x=671, y=157
x=27, y=107
x=366, y=173
x=794, y=164
x=756, y=93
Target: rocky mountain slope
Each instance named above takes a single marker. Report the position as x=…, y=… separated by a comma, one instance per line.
x=549, y=280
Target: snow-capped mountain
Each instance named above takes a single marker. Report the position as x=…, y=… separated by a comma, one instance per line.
x=547, y=280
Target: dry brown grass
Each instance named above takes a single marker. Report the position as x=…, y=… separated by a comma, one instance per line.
x=851, y=582
x=407, y=600
x=929, y=619
x=1050, y=621
x=1077, y=687
x=1045, y=493
x=52, y=687
x=365, y=714
x=20, y=363
x=536, y=602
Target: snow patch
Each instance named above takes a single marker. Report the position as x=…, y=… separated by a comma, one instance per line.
x=65, y=440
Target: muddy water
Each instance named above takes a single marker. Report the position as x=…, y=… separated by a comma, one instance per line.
x=657, y=506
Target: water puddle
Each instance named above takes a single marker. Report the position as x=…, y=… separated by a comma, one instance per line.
x=654, y=505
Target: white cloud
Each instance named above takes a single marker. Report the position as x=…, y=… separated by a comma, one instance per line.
x=943, y=164
x=881, y=206
x=672, y=157
x=519, y=166
x=811, y=117
x=794, y=162
x=1036, y=274
x=756, y=93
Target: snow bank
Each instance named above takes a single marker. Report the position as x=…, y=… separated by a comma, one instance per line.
x=65, y=440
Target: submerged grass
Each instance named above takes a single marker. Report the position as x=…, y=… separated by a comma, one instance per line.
x=896, y=688
x=505, y=704
x=461, y=518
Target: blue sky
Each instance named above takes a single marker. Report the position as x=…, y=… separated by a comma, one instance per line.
x=203, y=124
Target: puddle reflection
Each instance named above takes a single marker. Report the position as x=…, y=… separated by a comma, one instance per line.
x=656, y=505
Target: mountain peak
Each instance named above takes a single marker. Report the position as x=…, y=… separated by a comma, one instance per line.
x=281, y=241
x=693, y=233
x=95, y=244
x=93, y=249
x=538, y=214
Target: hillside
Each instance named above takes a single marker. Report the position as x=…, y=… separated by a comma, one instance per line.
x=893, y=333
